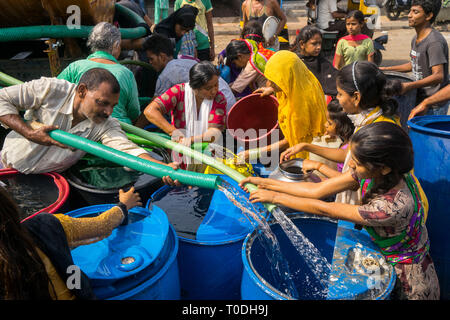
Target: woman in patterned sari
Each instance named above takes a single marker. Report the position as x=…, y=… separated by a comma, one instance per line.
x=392, y=209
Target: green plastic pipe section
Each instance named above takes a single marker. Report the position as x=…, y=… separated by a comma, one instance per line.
x=136, y=163
x=138, y=63
x=63, y=31
x=163, y=142
x=8, y=80
x=144, y=142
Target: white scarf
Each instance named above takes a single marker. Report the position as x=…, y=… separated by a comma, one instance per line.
x=195, y=125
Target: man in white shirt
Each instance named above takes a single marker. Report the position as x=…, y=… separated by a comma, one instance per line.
x=327, y=12
x=82, y=109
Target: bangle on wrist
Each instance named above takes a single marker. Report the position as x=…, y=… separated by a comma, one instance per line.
x=124, y=209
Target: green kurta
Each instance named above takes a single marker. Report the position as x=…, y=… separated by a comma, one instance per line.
x=128, y=108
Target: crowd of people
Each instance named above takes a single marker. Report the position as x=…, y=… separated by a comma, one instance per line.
x=340, y=116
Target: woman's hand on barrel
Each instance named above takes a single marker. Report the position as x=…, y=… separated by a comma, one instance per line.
x=262, y=195
x=286, y=155
x=419, y=110
x=130, y=198
x=264, y=91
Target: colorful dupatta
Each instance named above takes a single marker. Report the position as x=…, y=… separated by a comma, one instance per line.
x=397, y=249
x=258, y=55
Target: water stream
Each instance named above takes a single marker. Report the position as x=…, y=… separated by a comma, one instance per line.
x=255, y=214
x=318, y=264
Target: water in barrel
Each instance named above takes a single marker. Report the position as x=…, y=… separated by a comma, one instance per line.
x=32, y=192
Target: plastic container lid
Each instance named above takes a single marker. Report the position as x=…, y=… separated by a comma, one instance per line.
x=127, y=251
x=270, y=27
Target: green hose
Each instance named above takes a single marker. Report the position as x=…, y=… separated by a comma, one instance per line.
x=144, y=142
x=63, y=31
x=165, y=143
x=8, y=80
x=138, y=63
x=136, y=163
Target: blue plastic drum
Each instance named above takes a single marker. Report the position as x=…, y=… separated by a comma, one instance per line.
x=430, y=137
x=209, y=258
x=136, y=262
x=356, y=268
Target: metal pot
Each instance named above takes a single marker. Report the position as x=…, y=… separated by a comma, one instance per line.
x=291, y=171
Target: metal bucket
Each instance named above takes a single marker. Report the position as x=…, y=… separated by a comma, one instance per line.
x=430, y=136
x=136, y=262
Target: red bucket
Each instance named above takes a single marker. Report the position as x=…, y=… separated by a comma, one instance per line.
x=253, y=112
x=59, y=181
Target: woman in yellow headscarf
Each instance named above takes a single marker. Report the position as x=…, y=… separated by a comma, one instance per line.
x=301, y=109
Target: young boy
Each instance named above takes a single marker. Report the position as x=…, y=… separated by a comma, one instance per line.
x=429, y=55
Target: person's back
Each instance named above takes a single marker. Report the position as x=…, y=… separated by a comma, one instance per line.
x=324, y=10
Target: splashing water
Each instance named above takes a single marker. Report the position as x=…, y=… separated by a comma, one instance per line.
x=255, y=214
x=319, y=265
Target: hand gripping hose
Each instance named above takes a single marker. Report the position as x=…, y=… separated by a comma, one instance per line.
x=136, y=163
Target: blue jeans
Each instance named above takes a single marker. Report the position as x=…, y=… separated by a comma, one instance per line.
x=439, y=111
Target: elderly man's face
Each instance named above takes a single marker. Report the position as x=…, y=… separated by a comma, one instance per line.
x=97, y=105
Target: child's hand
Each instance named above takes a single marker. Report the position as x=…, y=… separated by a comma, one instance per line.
x=292, y=151
x=309, y=165
x=261, y=183
x=264, y=196
x=130, y=198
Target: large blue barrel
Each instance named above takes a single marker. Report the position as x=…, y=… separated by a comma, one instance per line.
x=136, y=262
x=357, y=270
x=210, y=261
x=430, y=137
